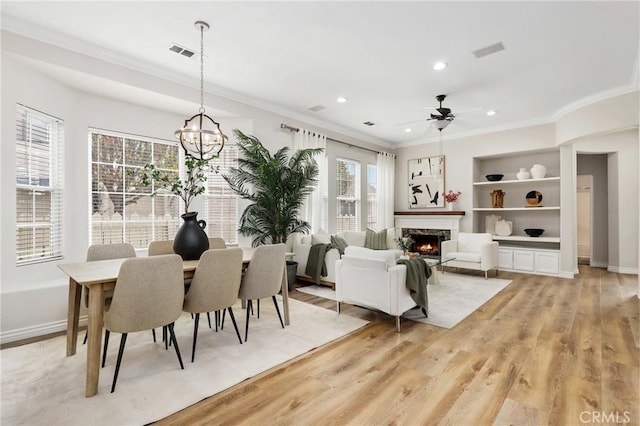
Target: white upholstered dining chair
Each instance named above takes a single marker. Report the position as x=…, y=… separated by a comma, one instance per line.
x=149, y=293
x=214, y=287
x=263, y=278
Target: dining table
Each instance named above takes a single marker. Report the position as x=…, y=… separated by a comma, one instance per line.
x=100, y=276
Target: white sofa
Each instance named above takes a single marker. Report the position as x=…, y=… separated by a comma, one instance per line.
x=301, y=244
x=471, y=251
x=372, y=279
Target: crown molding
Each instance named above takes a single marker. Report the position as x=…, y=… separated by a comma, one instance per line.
x=598, y=97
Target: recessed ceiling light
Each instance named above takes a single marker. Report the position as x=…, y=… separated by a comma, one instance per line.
x=341, y=100
x=440, y=65
x=491, y=112
x=408, y=130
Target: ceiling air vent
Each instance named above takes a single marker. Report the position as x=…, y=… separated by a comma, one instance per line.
x=368, y=123
x=485, y=51
x=317, y=108
x=181, y=50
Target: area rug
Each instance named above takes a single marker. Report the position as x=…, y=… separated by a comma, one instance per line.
x=41, y=386
x=454, y=298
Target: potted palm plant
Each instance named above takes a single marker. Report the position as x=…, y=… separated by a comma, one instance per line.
x=276, y=186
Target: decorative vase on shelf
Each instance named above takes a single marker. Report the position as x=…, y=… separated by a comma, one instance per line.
x=523, y=174
x=450, y=206
x=191, y=240
x=538, y=171
x=497, y=198
x=504, y=228
x=490, y=223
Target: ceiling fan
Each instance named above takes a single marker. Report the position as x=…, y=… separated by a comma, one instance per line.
x=444, y=116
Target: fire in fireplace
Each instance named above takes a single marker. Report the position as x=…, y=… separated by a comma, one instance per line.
x=427, y=241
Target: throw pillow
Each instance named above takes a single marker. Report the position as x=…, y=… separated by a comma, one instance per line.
x=320, y=237
x=339, y=243
x=376, y=240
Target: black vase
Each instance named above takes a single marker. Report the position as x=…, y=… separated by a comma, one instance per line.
x=190, y=240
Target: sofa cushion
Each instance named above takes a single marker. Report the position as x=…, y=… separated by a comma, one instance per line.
x=391, y=235
x=339, y=243
x=353, y=238
x=376, y=240
x=388, y=256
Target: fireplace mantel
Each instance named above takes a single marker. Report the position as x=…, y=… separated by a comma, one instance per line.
x=449, y=220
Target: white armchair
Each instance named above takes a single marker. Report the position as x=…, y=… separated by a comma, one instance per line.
x=471, y=251
x=371, y=279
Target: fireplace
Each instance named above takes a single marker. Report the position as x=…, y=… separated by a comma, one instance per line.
x=427, y=241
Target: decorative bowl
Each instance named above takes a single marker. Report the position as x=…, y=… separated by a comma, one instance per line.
x=534, y=232
x=494, y=177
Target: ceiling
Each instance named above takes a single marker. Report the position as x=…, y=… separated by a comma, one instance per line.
x=292, y=56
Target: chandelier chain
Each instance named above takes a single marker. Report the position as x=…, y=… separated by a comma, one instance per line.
x=202, y=69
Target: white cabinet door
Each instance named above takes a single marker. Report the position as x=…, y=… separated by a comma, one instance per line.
x=523, y=260
x=505, y=259
x=547, y=262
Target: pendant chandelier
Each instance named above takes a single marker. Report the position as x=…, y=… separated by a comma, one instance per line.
x=201, y=136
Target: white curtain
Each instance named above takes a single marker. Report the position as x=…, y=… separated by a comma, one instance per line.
x=314, y=209
x=385, y=189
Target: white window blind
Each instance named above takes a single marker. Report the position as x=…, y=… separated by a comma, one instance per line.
x=372, y=196
x=221, y=203
x=122, y=210
x=39, y=185
x=348, y=195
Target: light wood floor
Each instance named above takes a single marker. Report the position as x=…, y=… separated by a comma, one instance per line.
x=543, y=351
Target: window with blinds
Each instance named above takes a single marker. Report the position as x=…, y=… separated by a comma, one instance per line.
x=122, y=210
x=221, y=203
x=39, y=185
x=372, y=196
x=348, y=195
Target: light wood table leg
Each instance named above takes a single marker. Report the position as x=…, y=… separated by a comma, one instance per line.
x=96, y=313
x=285, y=295
x=73, y=316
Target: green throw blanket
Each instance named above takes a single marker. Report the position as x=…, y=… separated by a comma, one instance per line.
x=316, y=266
x=418, y=272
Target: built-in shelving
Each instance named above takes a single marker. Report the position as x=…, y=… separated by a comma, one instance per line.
x=513, y=209
x=527, y=239
x=518, y=182
x=518, y=251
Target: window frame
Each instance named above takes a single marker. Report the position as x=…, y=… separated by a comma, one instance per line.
x=147, y=227
x=356, y=198
x=231, y=196
x=54, y=170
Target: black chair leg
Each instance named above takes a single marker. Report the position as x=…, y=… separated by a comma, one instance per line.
x=277, y=310
x=175, y=344
x=153, y=331
x=246, y=327
x=123, y=341
x=258, y=308
x=233, y=320
x=217, y=317
x=164, y=338
x=224, y=314
x=106, y=343
x=86, y=334
x=209, y=319
x=195, y=337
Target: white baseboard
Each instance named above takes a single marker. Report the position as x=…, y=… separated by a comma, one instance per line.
x=594, y=264
x=564, y=274
x=37, y=330
x=622, y=270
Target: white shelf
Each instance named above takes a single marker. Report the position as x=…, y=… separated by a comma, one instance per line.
x=514, y=209
x=524, y=181
x=527, y=239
